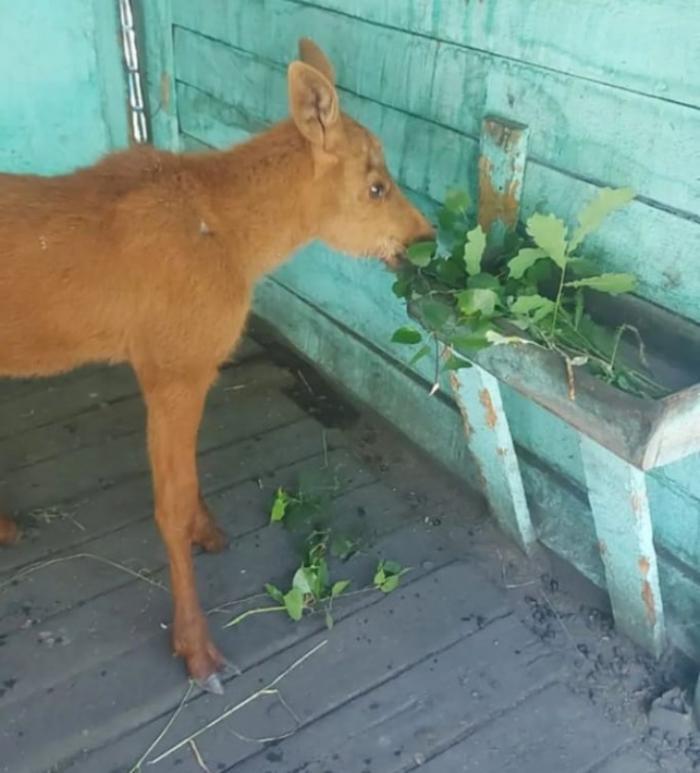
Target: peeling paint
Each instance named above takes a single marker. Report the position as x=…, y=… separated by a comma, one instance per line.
x=647, y=592
x=649, y=602
x=495, y=204
x=491, y=415
x=504, y=135
x=454, y=383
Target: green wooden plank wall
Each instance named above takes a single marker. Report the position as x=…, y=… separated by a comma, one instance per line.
x=62, y=94
x=612, y=97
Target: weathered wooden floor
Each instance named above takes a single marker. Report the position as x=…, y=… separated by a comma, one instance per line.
x=441, y=675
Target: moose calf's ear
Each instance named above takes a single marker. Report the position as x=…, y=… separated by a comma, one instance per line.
x=313, y=103
x=311, y=54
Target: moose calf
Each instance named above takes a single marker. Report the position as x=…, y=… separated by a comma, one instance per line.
x=150, y=258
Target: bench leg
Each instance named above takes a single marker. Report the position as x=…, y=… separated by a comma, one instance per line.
x=617, y=493
x=478, y=396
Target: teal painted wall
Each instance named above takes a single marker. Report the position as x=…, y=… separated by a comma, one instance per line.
x=62, y=92
x=611, y=93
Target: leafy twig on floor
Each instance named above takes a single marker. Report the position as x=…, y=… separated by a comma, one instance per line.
x=312, y=588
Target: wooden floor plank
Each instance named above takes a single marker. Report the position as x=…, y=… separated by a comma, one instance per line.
x=123, y=678
x=105, y=421
x=109, y=509
x=79, y=473
x=553, y=730
x=64, y=397
x=422, y=710
x=41, y=595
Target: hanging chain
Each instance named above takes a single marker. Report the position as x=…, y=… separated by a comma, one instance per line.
x=139, y=126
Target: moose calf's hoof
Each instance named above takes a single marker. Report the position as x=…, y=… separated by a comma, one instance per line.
x=203, y=660
x=211, y=684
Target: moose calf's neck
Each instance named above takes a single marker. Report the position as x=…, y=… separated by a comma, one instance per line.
x=261, y=198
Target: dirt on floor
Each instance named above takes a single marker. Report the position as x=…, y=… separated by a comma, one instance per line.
x=629, y=686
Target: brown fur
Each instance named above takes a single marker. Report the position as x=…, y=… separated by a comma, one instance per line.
x=150, y=258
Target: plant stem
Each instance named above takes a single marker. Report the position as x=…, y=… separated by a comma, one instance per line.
x=251, y=612
x=557, y=302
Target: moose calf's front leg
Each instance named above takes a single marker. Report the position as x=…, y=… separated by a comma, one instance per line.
x=174, y=413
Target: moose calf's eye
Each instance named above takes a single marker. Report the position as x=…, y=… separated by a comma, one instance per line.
x=377, y=190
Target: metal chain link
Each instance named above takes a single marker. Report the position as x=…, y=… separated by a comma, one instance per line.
x=139, y=126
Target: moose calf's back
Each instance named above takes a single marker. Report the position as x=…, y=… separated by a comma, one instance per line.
x=109, y=262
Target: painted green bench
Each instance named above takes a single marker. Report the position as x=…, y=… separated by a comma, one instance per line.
x=621, y=436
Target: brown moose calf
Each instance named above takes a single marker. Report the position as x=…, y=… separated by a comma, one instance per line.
x=150, y=258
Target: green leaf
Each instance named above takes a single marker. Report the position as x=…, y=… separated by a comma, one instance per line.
x=303, y=580
x=388, y=575
x=593, y=214
x=422, y=352
x=421, y=253
x=582, y=267
x=615, y=284
x=450, y=272
x=525, y=259
x=542, y=271
x=279, y=506
x=391, y=583
x=549, y=233
x=406, y=335
x=391, y=567
x=294, y=604
x=469, y=338
x=456, y=363
x=476, y=300
x=484, y=281
x=447, y=220
x=339, y=587
x=402, y=287
x=536, y=305
x=379, y=576
x=321, y=577
x=274, y=593
x=433, y=312
x=456, y=201
x=474, y=250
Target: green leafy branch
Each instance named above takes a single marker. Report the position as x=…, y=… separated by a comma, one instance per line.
x=312, y=588
x=533, y=288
